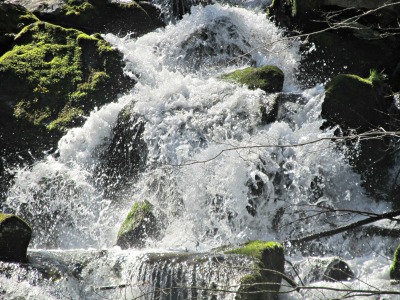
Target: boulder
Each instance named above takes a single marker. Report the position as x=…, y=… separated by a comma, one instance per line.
x=265, y=276
x=267, y=78
x=359, y=105
x=126, y=155
x=368, y=43
x=97, y=16
x=61, y=75
x=139, y=225
x=324, y=269
x=395, y=267
x=15, y=235
x=12, y=19
x=355, y=103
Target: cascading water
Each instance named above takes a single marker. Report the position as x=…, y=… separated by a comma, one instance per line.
x=214, y=172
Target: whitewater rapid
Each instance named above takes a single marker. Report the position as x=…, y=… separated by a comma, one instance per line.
x=203, y=137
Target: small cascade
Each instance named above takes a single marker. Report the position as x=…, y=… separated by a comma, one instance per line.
x=200, y=150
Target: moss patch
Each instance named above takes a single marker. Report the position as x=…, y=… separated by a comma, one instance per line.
x=395, y=267
x=269, y=262
x=267, y=78
x=354, y=103
x=63, y=75
x=139, y=224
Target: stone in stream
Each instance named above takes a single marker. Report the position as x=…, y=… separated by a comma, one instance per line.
x=267, y=78
x=15, y=235
x=139, y=225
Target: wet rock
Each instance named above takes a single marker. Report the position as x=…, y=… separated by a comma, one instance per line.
x=12, y=19
x=267, y=78
x=269, y=256
x=93, y=16
x=359, y=105
x=368, y=43
x=139, y=225
x=61, y=75
x=395, y=267
x=325, y=269
x=126, y=155
x=281, y=107
x=15, y=235
x=355, y=103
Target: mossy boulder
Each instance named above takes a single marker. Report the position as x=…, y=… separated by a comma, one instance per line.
x=355, y=103
x=139, y=225
x=49, y=81
x=15, y=235
x=267, y=78
x=395, y=267
x=269, y=264
x=98, y=16
x=12, y=19
x=365, y=44
x=359, y=105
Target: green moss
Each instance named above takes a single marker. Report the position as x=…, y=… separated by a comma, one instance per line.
x=12, y=17
x=77, y=7
x=268, y=78
x=268, y=256
x=256, y=248
x=61, y=69
x=139, y=211
x=4, y=217
x=395, y=267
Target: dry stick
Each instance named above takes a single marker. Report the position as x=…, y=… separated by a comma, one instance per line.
x=299, y=241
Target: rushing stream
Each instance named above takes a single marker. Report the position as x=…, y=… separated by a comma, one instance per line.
x=202, y=166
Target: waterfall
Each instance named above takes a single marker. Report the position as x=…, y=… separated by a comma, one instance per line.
x=194, y=146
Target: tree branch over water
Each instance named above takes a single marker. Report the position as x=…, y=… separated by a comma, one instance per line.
x=337, y=139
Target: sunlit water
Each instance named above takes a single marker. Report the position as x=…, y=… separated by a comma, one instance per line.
x=205, y=170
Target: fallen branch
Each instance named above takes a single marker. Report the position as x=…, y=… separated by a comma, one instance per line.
x=300, y=241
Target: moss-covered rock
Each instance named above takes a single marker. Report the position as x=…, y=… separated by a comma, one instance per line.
x=355, y=103
x=139, y=225
x=359, y=105
x=50, y=79
x=101, y=16
x=12, y=19
x=368, y=43
x=269, y=264
x=395, y=267
x=62, y=75
x=267, y=78
x=15, y=235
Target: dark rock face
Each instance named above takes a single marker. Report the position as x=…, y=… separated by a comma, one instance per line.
x=367, y=44
x=12, y=19
x=15, y=235
x=139, y=225
x=102, y=16
x=325, y=269
x=359, y=105
x=126, y=155
x=355, y=103
x=267, y=78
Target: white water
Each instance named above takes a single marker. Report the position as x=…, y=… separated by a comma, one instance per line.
x=201, y=193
